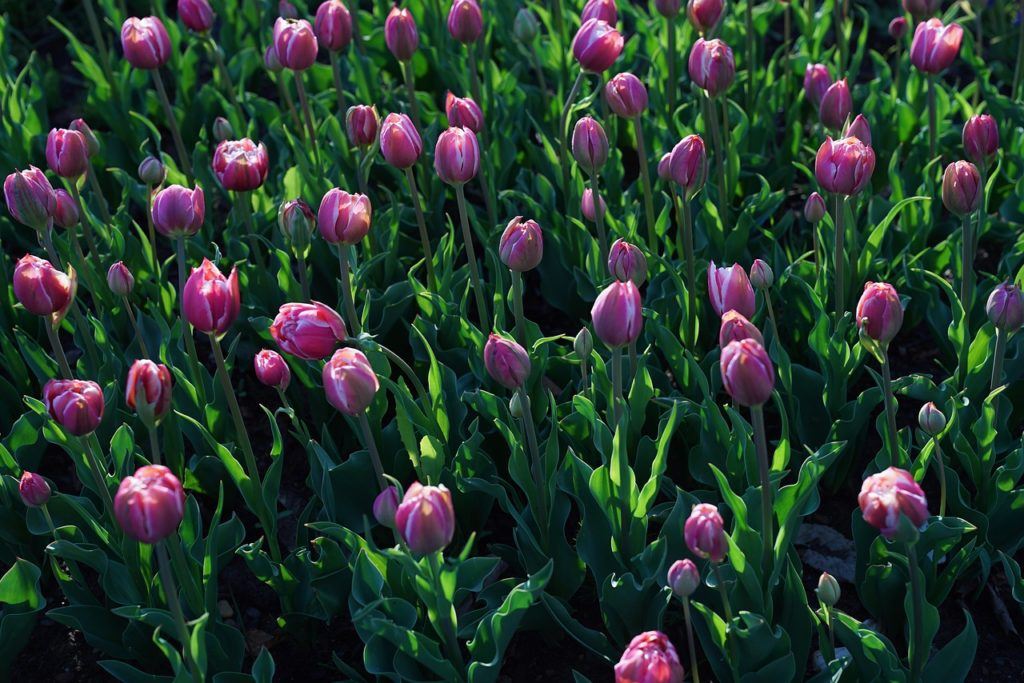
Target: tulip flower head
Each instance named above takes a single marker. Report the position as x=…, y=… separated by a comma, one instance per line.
x=844, y=166
x=898, y=28
x=521, y=247
x=222, y=129
x=91, y=141
x=879, y=312
x=30, y=197
x=704, y=533
x=119, y=279
x=344, y=218
x=525, y=27
x=961, y=188
x=887, y=495
x=178, y=211
x=704, y=14
x=67, y=153
x=730, y=290
x=361, y=124
x=627, y=262
x=618, y=314
x=507, y=362
x=240, y=165
x=814, y=208
x=400, y=142
x=152, y=171
x=76, y=405
x=589, y=145
x=210, y=301
x=836, y=105
x=33, y=489
x=747, y=372
x=981, y=139
x=271, y=61
x=401, y=34
x=426, y=518
x=148, y=390
x=828, y=590
x=668, y=8
x=295, y=43
x=761, y=275
x=597, y=45
x=350, y=382
x=41, y=288
x=587, y=207
x=457, y=156
x=735, y=327
x=688, y=165
x=626, y=95
x=1005, y=307
x=712, y=66
x=817, y=81
x=272, y=370
x=465, y=21
x=333, y=25
x=683, y=578
x=150, y=504
x=859, y=128
x=935, y=46
x=65, y=210
x=385, y=505
x=145, y=42
x=296, y=221
x=930, y=419
x=308, y=331
x=197, y=15
x=665, y=167
x=650, y=657
x=463, y=112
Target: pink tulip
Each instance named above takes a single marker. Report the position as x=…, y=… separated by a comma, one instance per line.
x=426, y=518
x=361, y=124
x=1005, y=307
x=211, y=302
x=344, y=218
x=385, y=506
x=587, y=205
x=704, y=14
x=860, y=129
x=618, y=314
x=649, y=658
x=729, y=290
x=961, y=188
x=597, y=45
x=747, y=372
x=735, y=327
x=295, y=220
x=463, y=112
x=668, y=8
x=507, y=362
x=602, y=10
x=145, y=42
x=521, y=247
x=65, y=210
x=41, y=288
x=75, y=405
x=400, y=143
x=222, y=129
x=626, y=95
x=683, y=578
x=197, y=15
x=931, y=419
x=272, y=370
x=935, y=46
x=688, y=165
x=888, y=494
x=295, y=43
x=627, y=262
x=178, y=211
x=704, y=533
x=465, y=21
x=836, y=105
x=271, y=61
x=33, y=489
x=879, y=312
x=333, y=25
x=308, y=331
x=91, y=141
x=981, y=138
x=761, y=275
x=589, y=145
x=898, y=28
x=817, y=81
x=844, y=166
x=712, y=66
x=814, y=208
x=240, y=165
x=67, y=153
x=30, y=197
x=287, y=10
x=349, y=381
x=457, y=156
x=150, y=504
x=148, y=390
x=665, y=166
x=119, y=279
x=400, y=34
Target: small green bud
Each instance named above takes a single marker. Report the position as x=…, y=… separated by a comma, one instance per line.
x=828, y=590
x=584, y=343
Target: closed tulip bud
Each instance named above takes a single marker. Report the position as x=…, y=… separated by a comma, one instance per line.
x=860, y=129
x=457, y=156
x=178, y=211
x=525, y=27
x=67, y=153
x=308, y=331
x=65, y=210
x=145, y=42
x=240, y=165
x=41, y=288
x=729, y=289
x=333, y=25
x=665, y=166
x=836, y=105
x=465, y=21
x=735, y=327
x=704, y=14
x=618, y=314
x=211, y=302
x=931, y=419
x=649, y=658
x=91, y=141
x=75, y=405
x=30, y=197
x=287, y=10
x=33, y=489
x=898, y=28
x=295, y=43
x=296, y=222
x=271, y=61
x=463, y=112
x=712, y=66
x=507, y=362
x=587, y=205
x=704, y=533
x=887, y=495
x=344, y=218
x=817, y=81
x=935, y=46
x=583, y=344
x=626, y=95
x=522, y=245
x=921, y=9
x=761, y=275
x=627, y=262
x=272, y=370
x=350, y=382
x=516, y=407
x=361, y=124
x=1005, y=307
x=828, y=590
x=222, y=129
x=426, y=518
x=814, y=208
x=683, y=578
x=961, y=188
x=688, y=165
x=400, y=34
x=981, y=138
x=668, y=8
x=148, y=390
x=597, y=45
x=197, y=15
x=400, y=142
x=844, y=166
x=385, y=505
x=152, y=171
x=603, y=10
x=747, y=372
x=589, y=145
x=119, y=279
x=150, y=504
x=879, y=312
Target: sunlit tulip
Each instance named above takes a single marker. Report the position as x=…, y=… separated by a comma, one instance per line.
x=240, y=165
x=333, y=25
x=935, y=46
x=295, y=43
x=597, y=45
x=712, y=66
x=178, y=211
x=844, y=166
x=210, y=301
x=879, y=312
x=150, y=504
x=885, y=496
x=618, y=314
x=704, y=533
x=41, y=288
x=67, y=153
x=349, y=381
x=344, y=218
x=748, y=375
x=148, y=390
x=75, y=405
x=426, y=518
x=649, y=658
x=729, y=289
x=400, y=142
x=145, y=42
x=271, y=369
x=507, y=362
x=29, y=197
x=310, y=331
x=521, y=247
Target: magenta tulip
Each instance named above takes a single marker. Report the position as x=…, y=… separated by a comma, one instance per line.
x=145, y=42
x=350, y=382
x=400, y=142
x=521, y=247
x=41, y=288
x=463, y=112
x=333, y=25
x=626, y=95
x=150, y=504
x=295, y=43
x=602, y=10
x=704, y=533
x=344, y=218
x=587, y=207
x=465, y=21
x=507, y=362
x=67, y=153
x=589, y=145
x=457, y=156
x=735, y=327
x=178, y=211
x=148, y=390
x=240, y=165
x=426, y=518
x=75, y=405
x=961, y=188
x=688, y=165
x=935, y=46
x=33, y=489
x=817, y=81
x=879, y=312
x=627, y=262
x=981, y=138
x=65, y=210
x=683, y=578
x=197, y=15
x=885, y=496
x=747, y=372
x=729, y=289
x=1005, y=307
x=211, y=302
x=844, y=166
x=401, y=34
x=361, y=124
x=618, y=314
x=649, y=658
x=704, y=14
x=30, y=197
x=712, y=66
x=272, y=370
x=119, y=279
x=836, y=105
x=308, y=331
x=597, y=45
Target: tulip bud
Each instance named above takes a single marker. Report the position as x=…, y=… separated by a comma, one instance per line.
x=210, y=301
x=627, y=262
x=668, y=8
x=836, y=105
x=704, y=14
x=271, y=61
x=272, y=370
x=885, y=496
x=525, y=27
x=30, y=197
x=828, y=590
x=222, y=129
x=602, y=10
x=333, y=25
x=583, y=344
x=400, y=34
x=898, y=28
x=145, y=42
x=761, y=275
x=178, y=212
x=308, y=331
x=879, y=312
x=961, y=188
x=295, y=43
x=860, y=129
x=683, y=578
x=240, y=165
x=197, y=15
x=463, y=112
x=465, y=21
x=385, y=505
x=704, y=533
x=931, y=419
x=426, y=519
x=150, y=504
x=400, y=143
x=730, y=289
x=457, y=156
x=33, y=489
x=91, y=141
x=665, y=167
x=41, y=288
x=296, y=222
x=65, y=210
x=1005, y=307
x=515, y=406
x=814, y=208
x=589, y=145
x=626, y=95
x=735, y=327
x=712, y=66
x=119, y=279
x=935, y=46
x=817, y=81
x=148, y=391
x=921, y=9
x=747, y=372
x=152, y=171
x=287, y=10
x=649, y=657
x=981, y=138
x=75, y=405
x=688, y=164
x=507, y=362
x=618, y=314
x=361, y=124
x=596, y=46
x=344, y=218
x=844, y=166
x=349, y=381
x=67, y=153
x=587, y=207
x=522, y=245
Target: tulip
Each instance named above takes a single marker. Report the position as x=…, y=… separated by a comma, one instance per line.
x=844, y=166
x=344, y=218
x=287, y=10
x=178, y=212
x=30, y=197
x=596, y=46
x=879, y=312
x=828, y=590
x=361, y=124
x=665, y=167
x=67, y=153
x=222, y=129
x=152, y=171
x=41, y=288
x=688, y=165
x=349, y=381
x=859, y=129
x=271, y=61
x=145, y=42
x=465, y=21
x=817, y=81
x=602, y=10
x=75, y=405
x=65, y=210
x=761, y=275
x=507, y=362
x=210, y=301
x=457, y=156
x=463, y=112
x=272, y=370
x=296, y=220
x=589, y=145
x=704, y=533
x=627, y=262
x=91, y=141
x=385, y=506
x=400, y=34
x=33, y=489
x=308, y=331
x=668, y=8
x=333, y=25
x=400, y=143
x=197, y=15
x=730, y=289
x=583, y=343
x=587, y=207
x=618, y=314
x=426, y=518
x=150, y=504
x=626, y=95
x=887, y=495
x=921, y=9
x=649, y=658
x=931, y=419
x=119, y=279
x=295, y=43
x=712, y=66
x=898, y=28
x=814, y=208
x=1005, y=307
x=240, y=165
x=981, y=139
x=735, y=327
x=683, y=578
x=525, y=27
x=961, y=188
x=148, y=390
x=704, y=14
x=935, y=46
x=521, y=247
x=747, y=372
x=835, y=106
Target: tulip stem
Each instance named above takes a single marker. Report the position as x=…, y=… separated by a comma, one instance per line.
x=645, y=184
x=299, y=425
x=686, y=223
x=942, y=475
x=58, y=350
x=404, y=367
x=585, y=375
x=751, y=66
x=101, y=201
x=135, y=325
x=616, y=386
x=444, y=612
x=538, y=472
x=186, y=327
x=840, y=258
x=537, y=69
x=300, y=88
x=428, y=255
x=101, y=45
x=171, y=592
x=474, y=77
x=716, y=138
x=81, y=323
x=563, y=133
x=172, y=123
x=633, y=362
x=467, y=237
x=967, y=256
x=726, y=606
x=932, y=119
x=154, y=444
x=997, y=359
x=303, y=277
x=517, y=307
x=689, y=641
x=767, y=517
x=90, y=239
x=99, y=473
x=244, y=202
x=74, y=573
x=225, y=76
x=602, y=236
x=180, y=565
x=771, y=314
x=346, y=291
x=837, y=20
x=338, y=83
x=673, y=82
x=410, y=86
x=916, y=656
x=371, y=446
x=897, y=67
x=236, y=413
x=1018, y=70
x=890, y=407
x=286, y=96
x=154, y=263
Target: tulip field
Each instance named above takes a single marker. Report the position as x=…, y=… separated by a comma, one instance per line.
x=489, y=341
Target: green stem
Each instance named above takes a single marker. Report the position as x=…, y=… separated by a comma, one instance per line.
x=932, y=119
x=967, y=256
x=172, y=123
x=186, y=327
x=101, y=44
x=771, y=314
x=244, y=202
x=236, y=414
x=99, y=473
x=225, y=76
x=410, y=88
x=474, y=77
x=722, y=591
x=840, y=37
x=942, y=476
x=467, y=238
x=307, y=113
x=997, y=359
x=171, y=591
x=689, y=641
x=181, y=565
x=135, y=325
x=303, y=277
x=338, y=84
x=897, y=67
x=671, y=57
x=840, y=259
x=371, y=446
x=286, y=96
x=623, y=473
x=633, y=362
x=58, y=350
x=691, y=272
x=346, y=291
x=645, y=184
x=563, y=135
x=890, y=407
x=428, y=255
x=154, y=445
x=299, y=425
x=538, y=70
x=1018, y=70
x=764, y=467
x=716, y=140
x=602, y=236
x=751, y=66
x=444, y=613
x=517, y=307
x=80, y=321
x=616, y=386
x=90, y=239
x=585, y=376
x=917, y=657
x=101, y=201
x=530, y=431
x=151, y=230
